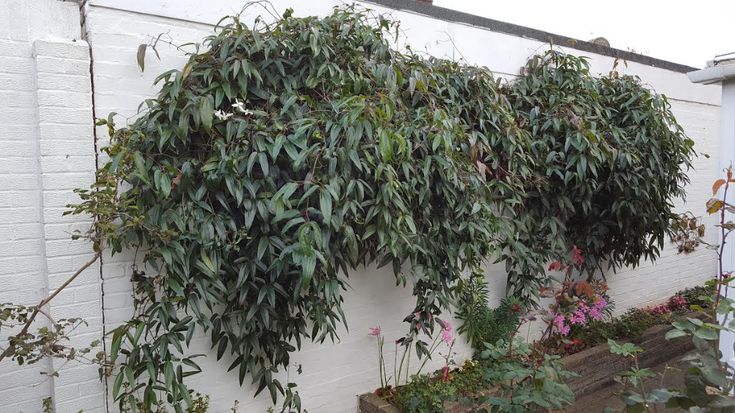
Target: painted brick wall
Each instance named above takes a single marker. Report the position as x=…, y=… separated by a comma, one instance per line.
x=47, y=148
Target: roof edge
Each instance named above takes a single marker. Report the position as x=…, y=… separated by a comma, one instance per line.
x=450, y=15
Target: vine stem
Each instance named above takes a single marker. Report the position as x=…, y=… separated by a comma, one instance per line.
x=723, y=242
x=433, y=347
x=38, y=308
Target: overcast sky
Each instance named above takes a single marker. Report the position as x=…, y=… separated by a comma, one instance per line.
x=686, y=32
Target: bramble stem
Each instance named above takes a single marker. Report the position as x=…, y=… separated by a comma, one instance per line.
x=38, y=308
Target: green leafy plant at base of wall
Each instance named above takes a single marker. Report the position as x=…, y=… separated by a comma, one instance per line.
x=480, y=323
x=500, y=379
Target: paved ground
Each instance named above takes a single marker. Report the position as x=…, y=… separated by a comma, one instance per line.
x=670, y=375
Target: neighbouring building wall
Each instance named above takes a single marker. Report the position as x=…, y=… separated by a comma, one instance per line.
x=47, y=148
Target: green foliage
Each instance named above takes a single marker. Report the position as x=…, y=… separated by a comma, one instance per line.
x=278, y=160
x=609, y=160
x=425, y=394
x=709, y=380
x=500, y=380
x=628, y=326
x=699, y=297
x=624, y=349
x=480, y=323
x=523, y=380
x=635, y=396
x=285, y=155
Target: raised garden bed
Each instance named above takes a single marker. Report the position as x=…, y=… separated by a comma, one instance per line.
x=596, y=366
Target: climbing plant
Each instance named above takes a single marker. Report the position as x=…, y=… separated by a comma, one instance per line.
x=277, y=161
x=609, y=160
x=284, y=155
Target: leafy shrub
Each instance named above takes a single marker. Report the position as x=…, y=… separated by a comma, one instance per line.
x=610, y=160
x=426, y=393
x=480, y=323
x=283, y=157
x=699, y=297
x=524, y=380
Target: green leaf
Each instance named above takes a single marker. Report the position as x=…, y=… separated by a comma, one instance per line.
x=325, y=205
x=706, y=334
x=206, y=112
x=624, y=349
x=675, y=333
x=140, y=167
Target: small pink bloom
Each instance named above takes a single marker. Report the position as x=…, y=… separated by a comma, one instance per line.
x=578, y=318
x=374, y=331
x=561, y=325
x=595, y=313
x=447, y=335
x=676, y=302
x=600, y=302
x=660, y=309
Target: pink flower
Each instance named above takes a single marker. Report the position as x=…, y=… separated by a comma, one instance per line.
x=447, y=335
x=676, y=302
x=660, y=309
x=374, y=331
x=600, y=302
x=577, y=257
x=595, y=313
x=560, y=325
x=578, y=317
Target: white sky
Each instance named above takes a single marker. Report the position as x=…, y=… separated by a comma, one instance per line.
x=686, y=32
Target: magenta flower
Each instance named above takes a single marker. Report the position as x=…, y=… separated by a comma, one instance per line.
x=600, y=302
x=561, y=325
x=374, y=331
x=578, y=317
x=676, y=302
x=660, y=309
x=447, y=335
x=595, y=313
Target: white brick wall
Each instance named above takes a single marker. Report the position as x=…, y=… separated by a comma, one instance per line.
x=47, y=149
